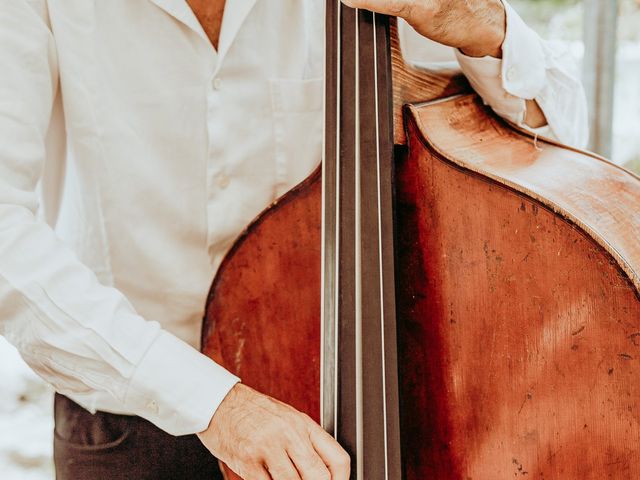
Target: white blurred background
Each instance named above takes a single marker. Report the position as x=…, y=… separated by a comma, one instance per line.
x=26, y=421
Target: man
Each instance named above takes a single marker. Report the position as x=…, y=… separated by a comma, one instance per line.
x=177, y=125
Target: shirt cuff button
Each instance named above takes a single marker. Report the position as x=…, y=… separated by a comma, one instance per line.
x=223, y=181
x=153, y=406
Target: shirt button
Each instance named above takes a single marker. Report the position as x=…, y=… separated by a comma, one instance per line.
x=223, y=181
x=512, y=74
x=217, y=83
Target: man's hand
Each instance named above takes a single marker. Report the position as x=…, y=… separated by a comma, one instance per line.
x=477, y=27
x=260, y=438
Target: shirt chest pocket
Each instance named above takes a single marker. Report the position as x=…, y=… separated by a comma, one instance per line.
x=297, y=129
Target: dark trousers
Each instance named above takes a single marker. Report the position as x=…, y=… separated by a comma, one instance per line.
x=109, y=446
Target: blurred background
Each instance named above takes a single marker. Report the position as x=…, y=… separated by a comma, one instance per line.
x=604, y=38
x=26, y=420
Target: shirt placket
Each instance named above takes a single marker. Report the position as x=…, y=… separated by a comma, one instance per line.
x=218, y=176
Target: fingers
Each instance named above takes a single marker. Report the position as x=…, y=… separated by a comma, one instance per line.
x=260, y=438
x=308, y=462
x=257, y=472
x=281, y=468
x=334, y=456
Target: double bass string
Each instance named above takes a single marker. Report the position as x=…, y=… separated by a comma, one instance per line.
x=380, y=263
x=329, y=260
x=336, y=302
x=358, y=258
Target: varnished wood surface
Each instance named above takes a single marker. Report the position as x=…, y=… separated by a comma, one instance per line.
x=600, y=197
x=518, y=328
x=262, y=320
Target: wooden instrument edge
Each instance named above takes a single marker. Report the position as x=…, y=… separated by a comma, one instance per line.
x=461, y=136
x=290, y=195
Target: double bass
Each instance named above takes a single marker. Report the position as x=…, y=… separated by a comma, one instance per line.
x=449, y=296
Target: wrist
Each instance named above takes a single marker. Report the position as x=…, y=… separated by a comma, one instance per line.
x=227, y=403
x=487, y=37
x=488, y=42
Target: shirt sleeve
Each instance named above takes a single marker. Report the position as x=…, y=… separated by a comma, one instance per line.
x=81, y=336
x=531, y=69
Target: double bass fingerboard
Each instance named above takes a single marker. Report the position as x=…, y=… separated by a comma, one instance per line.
x=359, y=365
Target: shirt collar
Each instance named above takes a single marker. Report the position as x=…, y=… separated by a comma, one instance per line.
x=179, y=9
x=235, y=12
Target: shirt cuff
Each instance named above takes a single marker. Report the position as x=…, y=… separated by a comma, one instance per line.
x=176, y=387
x=484, y=75
x=523, y=58
x=505, y=83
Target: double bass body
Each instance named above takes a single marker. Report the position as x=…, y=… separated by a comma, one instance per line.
x=519, y=313
x=517, y=299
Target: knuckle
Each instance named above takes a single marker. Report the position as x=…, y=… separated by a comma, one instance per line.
x=292, y=441
x=306, y=418
x=313, y=461
x=320, y=472
x=244, y=447
x=315, y=464
x=312, y=428
x=343, y=459
x=250, y=471
x=322, y=475
x=280, y=472
x=251, y=450
x=270, y=431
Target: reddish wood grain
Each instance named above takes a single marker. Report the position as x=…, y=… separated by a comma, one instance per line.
x=262, y=319
x=603, y=199
x=518, y=331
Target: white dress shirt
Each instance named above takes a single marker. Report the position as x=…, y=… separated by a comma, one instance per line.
x=131, y=156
